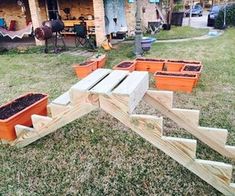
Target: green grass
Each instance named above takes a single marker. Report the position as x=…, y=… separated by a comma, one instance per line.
x=96, y=155
x=181, y=33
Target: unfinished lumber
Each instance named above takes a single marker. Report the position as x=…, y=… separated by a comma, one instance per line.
x=20, y=130
x=54, y=110
x=57, y=122
x=130, y=92
x=191, y=116
x=40, y=121
x=165, y=97
x=189, y=146
x=215, y=138
x=110, y=82
x=63, y=99
x=81, y=88
x=216, y=174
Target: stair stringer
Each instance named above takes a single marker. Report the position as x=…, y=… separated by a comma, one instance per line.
x=70, y=114
x=217, y=174
x=188, y=119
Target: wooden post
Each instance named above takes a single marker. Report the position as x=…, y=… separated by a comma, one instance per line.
x=36, y=17
x=99, y=21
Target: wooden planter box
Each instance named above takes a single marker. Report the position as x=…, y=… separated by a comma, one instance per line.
x=126, y=65
x=19, y=111
x=84, y=69
x=193, y=69
x=150, y=65
x=175, y=81
x=173, y=65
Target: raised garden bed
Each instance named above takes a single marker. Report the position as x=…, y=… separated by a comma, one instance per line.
x=19, y=111
x=173, y=65
x=193, y=69
x=126, y=65
x=84, y=69
x=149, y=64
x=175, y=81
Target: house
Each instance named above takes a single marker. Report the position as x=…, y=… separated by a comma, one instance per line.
x=103, y=16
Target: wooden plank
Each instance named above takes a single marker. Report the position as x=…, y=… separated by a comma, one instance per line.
x=40, y=121
x=192, y=116
x=91, y=80
x=56, y=110
x=165, y=97
x=219, y=169
x=231, y=149
x=20, y=129
x=111, y=81
x=189, y=146
x=213, y=173
x=220, y=135
x=130, y=92
x=63, y=99
x=201, y=133
x=82, y=87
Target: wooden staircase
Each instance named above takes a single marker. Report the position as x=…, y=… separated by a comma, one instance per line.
x=118, y=93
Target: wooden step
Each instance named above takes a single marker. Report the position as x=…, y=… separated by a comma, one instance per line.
x=40, y=121
x=130, y=92
x=218, y=135
x=20, y=130
x=55, y=110
x=63, y=99
x=164, y=97
x=111, y=81
x=189, y=146
x=219, y=169
x=190, y=116
x=231, y=150
x=80, y=89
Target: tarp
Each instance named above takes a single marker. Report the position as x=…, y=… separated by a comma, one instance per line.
x=114, y=9
x=13, y=34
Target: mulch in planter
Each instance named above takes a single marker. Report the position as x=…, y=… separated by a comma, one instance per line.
x=157, y=60
x=125, y=64
x=192, y=68
x=19, y=105
x=181, y=75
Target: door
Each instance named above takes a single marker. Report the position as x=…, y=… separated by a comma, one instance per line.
x=115, y=18
x=52, y=9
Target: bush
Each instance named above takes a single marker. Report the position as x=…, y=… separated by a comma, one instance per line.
x=230, y=17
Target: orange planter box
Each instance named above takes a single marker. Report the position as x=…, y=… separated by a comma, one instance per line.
x=126, y=65
x=84, y=69
x=101, y=60
x=151, y=65
x=173, y=65
x=22, y=117
x=193, y=69
x=175, y=81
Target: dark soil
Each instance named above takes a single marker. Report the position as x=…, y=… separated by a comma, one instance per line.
x=192, y=68
x=182, y=61
x=18, y=105
x=86, y=63
x=157, y=60
x=172, y=61
x=125, y=64
x=173, y=74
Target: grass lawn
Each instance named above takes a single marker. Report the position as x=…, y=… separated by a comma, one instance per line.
x=181, y=33
x=96, y=155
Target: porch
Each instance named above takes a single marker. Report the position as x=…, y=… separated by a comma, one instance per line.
x=102, y=17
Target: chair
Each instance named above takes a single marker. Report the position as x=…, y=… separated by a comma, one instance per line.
x=82, y=38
